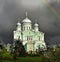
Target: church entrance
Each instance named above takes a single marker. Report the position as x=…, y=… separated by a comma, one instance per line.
x=31, y=47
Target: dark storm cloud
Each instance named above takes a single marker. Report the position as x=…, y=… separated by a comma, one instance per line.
x=11, y=9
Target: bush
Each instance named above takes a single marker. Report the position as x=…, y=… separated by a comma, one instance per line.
x=6, y=55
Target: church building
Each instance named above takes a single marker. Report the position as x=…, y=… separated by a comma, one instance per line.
x=32, y=39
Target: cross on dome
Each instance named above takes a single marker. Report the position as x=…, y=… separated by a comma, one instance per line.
x=26, y=20
x=26, y=14
x=36, y=24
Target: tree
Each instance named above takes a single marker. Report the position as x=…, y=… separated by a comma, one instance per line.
x=19, y=48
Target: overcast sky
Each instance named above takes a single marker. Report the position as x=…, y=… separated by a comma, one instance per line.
x=46, y=13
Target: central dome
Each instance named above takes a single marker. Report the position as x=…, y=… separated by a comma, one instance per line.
x=26, y=20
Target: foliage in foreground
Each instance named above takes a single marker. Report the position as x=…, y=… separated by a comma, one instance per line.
x=51, y=55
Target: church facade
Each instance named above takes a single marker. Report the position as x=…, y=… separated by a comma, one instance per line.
x=32, y=39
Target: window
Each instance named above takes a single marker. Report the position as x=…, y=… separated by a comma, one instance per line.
x=29, y=37
x=18, y=37
x=39, y=38
x=24, y=28
x=29, y=27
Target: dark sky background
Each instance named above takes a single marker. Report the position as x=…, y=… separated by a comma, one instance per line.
x=46, y=13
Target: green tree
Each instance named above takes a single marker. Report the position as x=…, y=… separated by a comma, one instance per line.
x=19, y=48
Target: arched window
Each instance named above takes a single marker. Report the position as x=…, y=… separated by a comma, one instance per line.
x=29, y=27
x=24, y=28
x=31, y=38
x=18, y=37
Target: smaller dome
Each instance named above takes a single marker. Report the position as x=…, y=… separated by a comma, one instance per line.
x=26, y=20
x=36, y=24
x=18, y=23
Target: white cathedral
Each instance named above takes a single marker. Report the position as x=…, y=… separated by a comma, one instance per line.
x=32, y=39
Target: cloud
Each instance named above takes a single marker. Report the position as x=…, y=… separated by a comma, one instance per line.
x=31, y=3
x=54, y=40
x=53, y=1
x=11, y=9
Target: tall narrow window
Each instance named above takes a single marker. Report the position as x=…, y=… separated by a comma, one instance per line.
x=39, y=38
x=27, y=37
x=29, y=27
x=31, y=37
x=24, y=28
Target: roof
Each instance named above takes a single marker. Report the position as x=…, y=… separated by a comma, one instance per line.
x=18, y=23
x=26, y=20
x=36, y=24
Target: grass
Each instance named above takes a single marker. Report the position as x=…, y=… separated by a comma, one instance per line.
x=25, y=59
x=30, y=59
